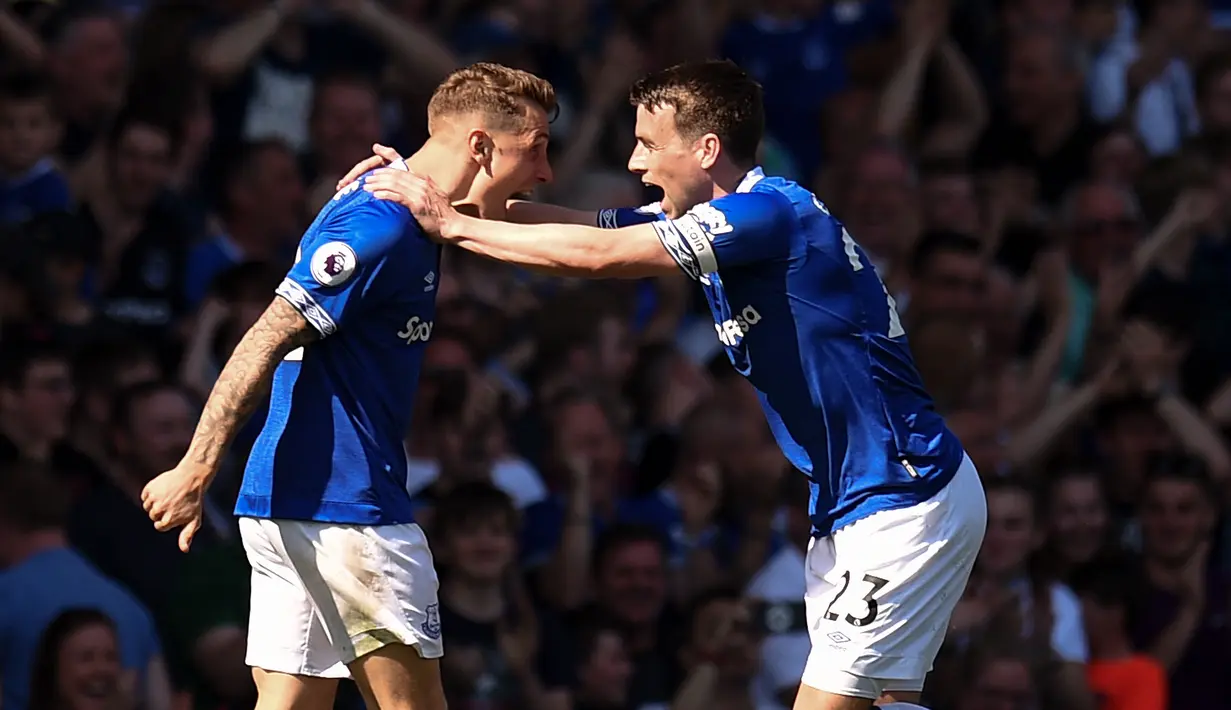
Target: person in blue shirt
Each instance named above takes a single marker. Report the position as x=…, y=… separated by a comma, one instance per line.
x=343, y=582
x=897, y=509
x=30, y=183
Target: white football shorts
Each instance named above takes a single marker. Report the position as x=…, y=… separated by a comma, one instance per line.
x=881, y=590
x=324, y=594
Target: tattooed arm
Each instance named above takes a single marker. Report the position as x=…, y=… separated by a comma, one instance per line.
x=245, y=380
x=175, y=498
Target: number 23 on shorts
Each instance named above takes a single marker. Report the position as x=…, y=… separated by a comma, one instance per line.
x=870, y=584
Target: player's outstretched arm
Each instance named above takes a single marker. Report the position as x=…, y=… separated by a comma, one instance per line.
x=526, y=212
x=562, y=249
x=565, y=249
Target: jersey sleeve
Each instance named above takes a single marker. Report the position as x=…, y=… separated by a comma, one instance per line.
x=736, y=230
x=618, y=217
x=338, y=260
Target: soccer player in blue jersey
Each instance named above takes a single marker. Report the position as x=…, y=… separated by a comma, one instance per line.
x=343, y=582
x=897, y=508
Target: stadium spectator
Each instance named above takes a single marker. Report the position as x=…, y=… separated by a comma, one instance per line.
x=77, y=664
x=44, y=577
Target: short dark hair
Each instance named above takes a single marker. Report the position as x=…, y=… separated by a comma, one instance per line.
x=938, y=242
x=945, y=167
x=1209, y=71
x=1112, y=409
x=253, y=280
x=157, y=117
x=1180, y=467
x=340, y=78
x=1108, y=581
x=474, y=500
x=16, y=359
x=237, y=162
x=1164, y=304
x=713, y=96
x=24, y=87
x=622, y=535
x=31, y=498
x=96, y=366
x=496, y=91
x=45, y=678
x=127, y=400
x=721, y=593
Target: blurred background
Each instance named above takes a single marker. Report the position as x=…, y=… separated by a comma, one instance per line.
x=1043, y=184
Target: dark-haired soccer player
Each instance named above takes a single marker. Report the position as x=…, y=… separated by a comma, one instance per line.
x=897, y=508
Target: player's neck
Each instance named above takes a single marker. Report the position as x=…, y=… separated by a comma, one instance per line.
x=726, y=178
x=1110, y=649
x=1055, y=128
x=35, y=543
x=453, y=176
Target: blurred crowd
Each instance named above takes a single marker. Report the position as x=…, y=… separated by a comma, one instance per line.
x=1045, y=186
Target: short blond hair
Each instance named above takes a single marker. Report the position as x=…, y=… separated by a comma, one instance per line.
x=500, y=93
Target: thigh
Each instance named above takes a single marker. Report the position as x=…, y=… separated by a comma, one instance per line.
x=886, y=587
x=285, y=632
x=810, y=698
x=396, y=677
x=372, y=586
x=282, y=691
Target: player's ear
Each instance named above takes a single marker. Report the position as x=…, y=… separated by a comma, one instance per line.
x=707, y=149
x=480, y=145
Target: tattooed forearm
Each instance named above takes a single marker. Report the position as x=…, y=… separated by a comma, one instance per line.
x=245, y=379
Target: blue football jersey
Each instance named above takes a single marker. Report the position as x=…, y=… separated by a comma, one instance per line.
x=804, y=317
x=331, y=448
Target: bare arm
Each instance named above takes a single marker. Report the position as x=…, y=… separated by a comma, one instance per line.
x=245, y=380
x=1171, y=644
x=526, y=212
x=565, y=249
x=1038, y=437
x=229, y=51
x=1195, y=433
x=20, y=41
x=966, y=112
x=416, y=50
x=563, y=580
x=900, y=98
x=158, y=692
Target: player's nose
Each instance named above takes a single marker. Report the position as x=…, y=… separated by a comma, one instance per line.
x=544, y=173
x=636, y=160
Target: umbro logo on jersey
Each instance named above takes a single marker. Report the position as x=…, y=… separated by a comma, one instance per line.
x=732, y=331
x=430, y=282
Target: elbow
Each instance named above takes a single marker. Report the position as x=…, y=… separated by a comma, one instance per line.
x=597, y=259
x=217, y=68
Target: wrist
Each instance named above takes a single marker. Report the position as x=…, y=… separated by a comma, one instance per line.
x=368, y=14
x=454, y=225
x=1159, y=388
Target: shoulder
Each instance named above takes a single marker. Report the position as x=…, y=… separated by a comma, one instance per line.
x=364, y=215
x=1065, y=603
x=756, y=210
